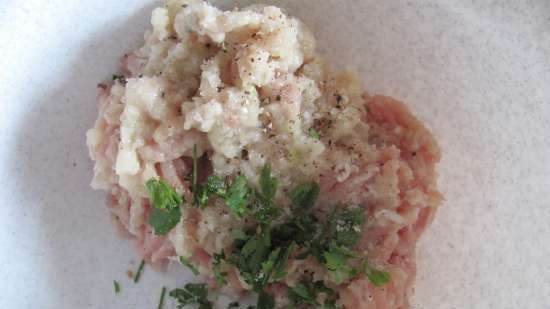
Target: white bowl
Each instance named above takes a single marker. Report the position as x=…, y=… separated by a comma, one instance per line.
x=478, y=74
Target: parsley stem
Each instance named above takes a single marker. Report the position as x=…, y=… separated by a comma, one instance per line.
x=139, y=271
x=117, y=286
x=195, y=172
x=161, y=301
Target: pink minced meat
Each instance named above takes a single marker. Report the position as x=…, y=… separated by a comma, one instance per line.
x=411, y=162
x=394, y=245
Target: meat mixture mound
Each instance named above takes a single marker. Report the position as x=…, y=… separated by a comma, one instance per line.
x=228, y=145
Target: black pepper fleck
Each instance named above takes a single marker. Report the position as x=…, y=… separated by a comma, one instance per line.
x=278, y=97
x=244, y=154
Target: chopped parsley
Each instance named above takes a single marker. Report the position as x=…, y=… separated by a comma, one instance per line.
x=214, y=185
x=236, y=197
x=301, y=229
x=336, y=261
x=281, y=262
x=377, y=277
x=265, y=301
x=238, y=234
x=192, y=294
x=268, y=183
x=304, y=196
x=302, y=294
x=184, y=261
x=348, y=225
x=119, y=78
x=249, y=255
x=263, y=209
x=220, y=276
x=166, y=212
x=307, y=292
x=313, y=133
x=164, y=220
x=261, y=254
x=161, y=300
x=116, y=285
x=162, y=195
x=139, y=271
x=195, y=171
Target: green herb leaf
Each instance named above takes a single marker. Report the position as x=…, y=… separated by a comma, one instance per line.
x=330, y=295
x=348, y=225
x=313, y=133
x=279, y=270
x=164, y=220
x=307, y=292
x=264, y=209
x=119, y=78
x=184, y=261
x=268, y=183
x=221, y=277
x=214, y=185
x=336, y=261
x=301, y=293
x=377, y=277
x=116, y=285
x=139, y=271
x=304, y=196
x=249, y=256
x=162, y=195
x=236, y=197
x=265, y=301
x=191, y=294
x=300, y=229
x=195, y=171
x=238, y=234
x=269, y=264
x=329, y=304
x=300, y=290
x=166, y=213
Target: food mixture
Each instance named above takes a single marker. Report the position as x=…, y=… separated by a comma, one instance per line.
x=228, y=145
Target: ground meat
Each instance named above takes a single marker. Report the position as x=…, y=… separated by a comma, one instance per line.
x=245, y=88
